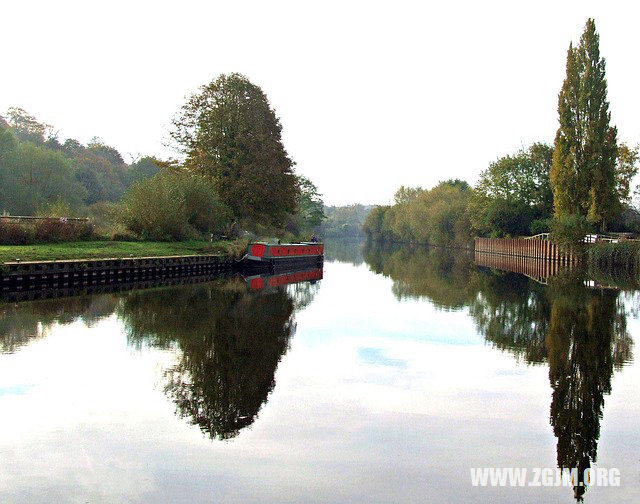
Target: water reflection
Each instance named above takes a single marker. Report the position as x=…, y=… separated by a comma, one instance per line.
x=229, y=338
x=586, y=339
x=344, y=250
x=22, y=322
x=579, y=331
x=228, y=352
x=441, y=275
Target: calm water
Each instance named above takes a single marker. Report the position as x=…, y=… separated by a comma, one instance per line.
x=386, y=381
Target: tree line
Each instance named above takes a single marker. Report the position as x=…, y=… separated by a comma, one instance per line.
x=37, y=170
x=582, y=183
x=233, y=174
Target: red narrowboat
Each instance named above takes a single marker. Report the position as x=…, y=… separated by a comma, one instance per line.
x=276, y=255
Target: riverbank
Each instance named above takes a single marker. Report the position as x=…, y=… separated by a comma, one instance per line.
x=118, y=249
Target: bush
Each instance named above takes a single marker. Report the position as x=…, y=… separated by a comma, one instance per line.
x=55, y=231
x=569, y=231
x=541, y=226
x=173, y=206
x=12, y=233
x=44, y=231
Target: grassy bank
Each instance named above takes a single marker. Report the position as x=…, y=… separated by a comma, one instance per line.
x=104, y=249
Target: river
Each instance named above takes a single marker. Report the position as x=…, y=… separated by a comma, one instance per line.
x=389, y=379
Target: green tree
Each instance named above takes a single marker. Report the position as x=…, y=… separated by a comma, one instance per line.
x=311, y=207
x=513, y=192
x=32, y=176
x=626, y=170
x=230, y=133
x=439, y=216
x=583, y=173
x=406, y=195
x=345, y=221
x=26, y=127
x=145, y=167
x=373, y=225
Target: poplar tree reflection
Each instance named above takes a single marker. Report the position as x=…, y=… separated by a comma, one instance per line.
x=586, y=339
x=230, y=341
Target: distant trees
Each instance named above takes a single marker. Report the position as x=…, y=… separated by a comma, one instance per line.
x=345, y=221
x=437, y=216
x=230, y=134
x=236, y=171
x=626, y=170
x=310, y=207
x=32, y=176
x=512, y=197
x=36, y=170
x=26, y=127
x=584, y=161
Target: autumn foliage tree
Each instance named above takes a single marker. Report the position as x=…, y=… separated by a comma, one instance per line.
x=584, y=160
x=230, y=133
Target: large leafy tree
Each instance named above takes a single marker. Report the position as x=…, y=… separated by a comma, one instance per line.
x=513, y=192
x=584, y=161
x=230, y=133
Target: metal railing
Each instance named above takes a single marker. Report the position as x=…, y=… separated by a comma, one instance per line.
x=540, y=236
x=18, y=218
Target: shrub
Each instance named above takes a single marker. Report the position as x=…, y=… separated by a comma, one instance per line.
x=570, y=230
x=44, y=231
x=12, y=233
x=541, y=226
x=54, y=231
x=173, y=206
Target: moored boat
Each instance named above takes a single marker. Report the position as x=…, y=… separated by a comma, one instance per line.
x=276, y=255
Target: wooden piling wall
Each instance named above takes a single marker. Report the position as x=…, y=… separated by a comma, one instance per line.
x=16, y=276
x=543, y=250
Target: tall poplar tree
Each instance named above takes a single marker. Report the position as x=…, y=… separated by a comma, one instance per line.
x=584, y=159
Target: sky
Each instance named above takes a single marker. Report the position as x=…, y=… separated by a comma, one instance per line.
x=371, y=95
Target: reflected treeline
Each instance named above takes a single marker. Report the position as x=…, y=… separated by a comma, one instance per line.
x=230, y=340
x=579, y=331
x=22, y=322
x=344, y=250
x=441, y=275
x=512, y=312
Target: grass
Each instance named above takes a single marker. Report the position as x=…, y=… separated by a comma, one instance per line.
x=107, y=249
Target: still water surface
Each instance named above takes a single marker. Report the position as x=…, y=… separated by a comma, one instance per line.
x=386, y=381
